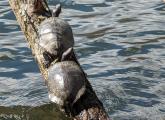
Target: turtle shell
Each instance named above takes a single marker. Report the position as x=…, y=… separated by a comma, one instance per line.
x=55, y=35
x=66, y=83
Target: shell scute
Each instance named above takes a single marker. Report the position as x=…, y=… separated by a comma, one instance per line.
x=66, y=82
x=55, y=37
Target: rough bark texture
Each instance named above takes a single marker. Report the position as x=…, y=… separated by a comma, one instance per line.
x=29, y=14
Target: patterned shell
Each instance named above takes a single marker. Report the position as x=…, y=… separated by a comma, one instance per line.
x=55, y=34
x=66, y=83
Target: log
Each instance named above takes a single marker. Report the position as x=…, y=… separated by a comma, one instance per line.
x=30, y=14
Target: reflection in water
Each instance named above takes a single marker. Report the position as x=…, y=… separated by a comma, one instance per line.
x=120, y=45
x=44, y=112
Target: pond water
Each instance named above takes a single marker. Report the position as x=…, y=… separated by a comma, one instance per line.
x=120, y=45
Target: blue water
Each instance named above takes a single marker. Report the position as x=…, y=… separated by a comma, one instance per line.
x=120, y=45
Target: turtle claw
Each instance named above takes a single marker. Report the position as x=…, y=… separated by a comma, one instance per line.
x=56, y=11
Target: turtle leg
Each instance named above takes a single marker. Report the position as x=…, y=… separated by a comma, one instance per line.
x=68, y=109
x=56, y=11
x=48, y=59
x=67, y=54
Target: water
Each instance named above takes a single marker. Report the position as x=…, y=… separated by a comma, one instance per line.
x=120, y=45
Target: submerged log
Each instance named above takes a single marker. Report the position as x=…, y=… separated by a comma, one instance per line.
x=30, y=14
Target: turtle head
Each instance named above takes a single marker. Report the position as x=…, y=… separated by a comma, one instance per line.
x=55, y=99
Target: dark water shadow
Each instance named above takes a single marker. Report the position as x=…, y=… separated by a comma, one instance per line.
x=80, y=7
x=159, y=7
x=136, y=87
x=17, y=63
x=94, y=47
x=9, y=15
x=143, y=103
x=143, y=49
x=6, y=28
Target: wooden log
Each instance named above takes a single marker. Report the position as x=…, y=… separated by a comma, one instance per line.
x=30, y=14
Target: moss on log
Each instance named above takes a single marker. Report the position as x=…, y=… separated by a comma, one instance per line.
x=29, y=14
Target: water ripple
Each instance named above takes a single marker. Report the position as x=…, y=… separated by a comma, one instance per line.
x=120, y=45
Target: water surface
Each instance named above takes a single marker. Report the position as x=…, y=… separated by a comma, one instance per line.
x=119, y=43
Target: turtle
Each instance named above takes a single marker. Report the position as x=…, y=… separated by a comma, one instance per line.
x=56, y=12
x=55, y=37
x=66, y=84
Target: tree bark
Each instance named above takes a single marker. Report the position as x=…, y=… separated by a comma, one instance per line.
x=29, y=14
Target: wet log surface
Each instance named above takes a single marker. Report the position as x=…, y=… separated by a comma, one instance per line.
x=30, y=14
